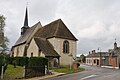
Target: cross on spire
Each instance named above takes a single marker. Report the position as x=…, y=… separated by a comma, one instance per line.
x=115, y=39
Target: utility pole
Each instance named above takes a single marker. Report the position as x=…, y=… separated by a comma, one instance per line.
x=70, y=60
x=100, y=55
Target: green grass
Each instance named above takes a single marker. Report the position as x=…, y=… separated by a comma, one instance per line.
x=67, y=70
x=13, y=73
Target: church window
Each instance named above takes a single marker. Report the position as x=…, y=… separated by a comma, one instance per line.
x=94, y=61
x=32, y=54
x=65, y=46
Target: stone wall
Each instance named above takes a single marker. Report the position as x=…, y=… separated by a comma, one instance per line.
x=57, y=43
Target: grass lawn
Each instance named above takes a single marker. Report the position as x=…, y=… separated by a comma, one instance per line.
x=67, y=70
x=11, y=73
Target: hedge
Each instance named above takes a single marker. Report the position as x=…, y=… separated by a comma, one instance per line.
x=38, y=61
x=25, y=61
x=20, y=61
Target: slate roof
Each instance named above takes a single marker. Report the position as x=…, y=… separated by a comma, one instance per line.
x=55, y=29
x=115, y=52
x=103, y=54
x=23, y=38
x=46, y=47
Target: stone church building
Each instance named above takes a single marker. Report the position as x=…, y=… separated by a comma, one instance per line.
x=53, y=41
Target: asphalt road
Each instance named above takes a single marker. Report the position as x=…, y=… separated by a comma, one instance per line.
x=91, y=73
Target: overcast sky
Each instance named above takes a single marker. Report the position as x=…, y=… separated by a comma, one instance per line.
x=95, y=23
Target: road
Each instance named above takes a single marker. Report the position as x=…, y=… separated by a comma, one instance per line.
x=91, y=73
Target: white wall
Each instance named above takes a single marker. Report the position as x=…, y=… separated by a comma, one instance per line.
x=19, y=50
x=90, y=61
x=33, y=48
x=65, y=59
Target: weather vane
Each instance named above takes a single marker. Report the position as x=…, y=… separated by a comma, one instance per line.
x=27, y=4
x=115, y=39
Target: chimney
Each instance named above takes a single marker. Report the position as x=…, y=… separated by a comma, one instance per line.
x=89, y=52
x=93, y=51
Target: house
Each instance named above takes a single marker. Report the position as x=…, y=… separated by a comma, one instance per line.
x=114, y=56
x=53, y=41
x=110, y=58
x=97, y=58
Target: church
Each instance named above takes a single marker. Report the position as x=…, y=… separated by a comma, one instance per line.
x=53, y=41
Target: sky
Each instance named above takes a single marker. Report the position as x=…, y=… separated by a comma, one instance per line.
x=95, y=23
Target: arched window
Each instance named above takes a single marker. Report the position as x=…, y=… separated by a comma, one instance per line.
x=32, y=54
x=65, y=46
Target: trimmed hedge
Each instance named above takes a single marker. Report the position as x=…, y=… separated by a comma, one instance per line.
x=38, y=61
x=21, y=61
x=25, y=61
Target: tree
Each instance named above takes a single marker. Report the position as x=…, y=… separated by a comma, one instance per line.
x=3, y=46
x=3, y=39
x=82, y=58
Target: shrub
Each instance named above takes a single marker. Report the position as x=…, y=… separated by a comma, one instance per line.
x=25, y=61
x=9, y=60
x=38, y=61
x=20, y=61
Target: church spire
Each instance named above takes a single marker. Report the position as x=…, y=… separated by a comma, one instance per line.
x=26, y=19
x=25, y=26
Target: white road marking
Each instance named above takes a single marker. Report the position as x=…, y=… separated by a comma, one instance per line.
x=88, y=77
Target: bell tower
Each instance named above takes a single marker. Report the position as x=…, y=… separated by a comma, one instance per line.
x=25, y=27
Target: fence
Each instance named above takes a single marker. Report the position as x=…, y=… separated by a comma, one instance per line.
x=34, y=71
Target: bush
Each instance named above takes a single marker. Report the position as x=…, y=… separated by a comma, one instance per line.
x=9, y=60
x=20, y=61
x=25, y=61
x=38, y=61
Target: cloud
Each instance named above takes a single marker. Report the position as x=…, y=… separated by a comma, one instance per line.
x=94, y=22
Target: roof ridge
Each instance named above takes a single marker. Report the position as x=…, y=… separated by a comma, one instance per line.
x=47, y=48
x=52, y=22
x=31, y=29
x=57, y=27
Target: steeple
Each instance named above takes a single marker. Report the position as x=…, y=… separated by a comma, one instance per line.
x=26, y=19
x=115, y=44
x=25, y=26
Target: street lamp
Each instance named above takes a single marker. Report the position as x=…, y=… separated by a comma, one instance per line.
x=100, y=55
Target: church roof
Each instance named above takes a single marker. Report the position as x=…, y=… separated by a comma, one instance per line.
x=23, y=38
x=46, y=47
x=55, y=29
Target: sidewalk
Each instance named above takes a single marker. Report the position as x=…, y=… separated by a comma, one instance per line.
x=110, y=67
x=46, y=76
